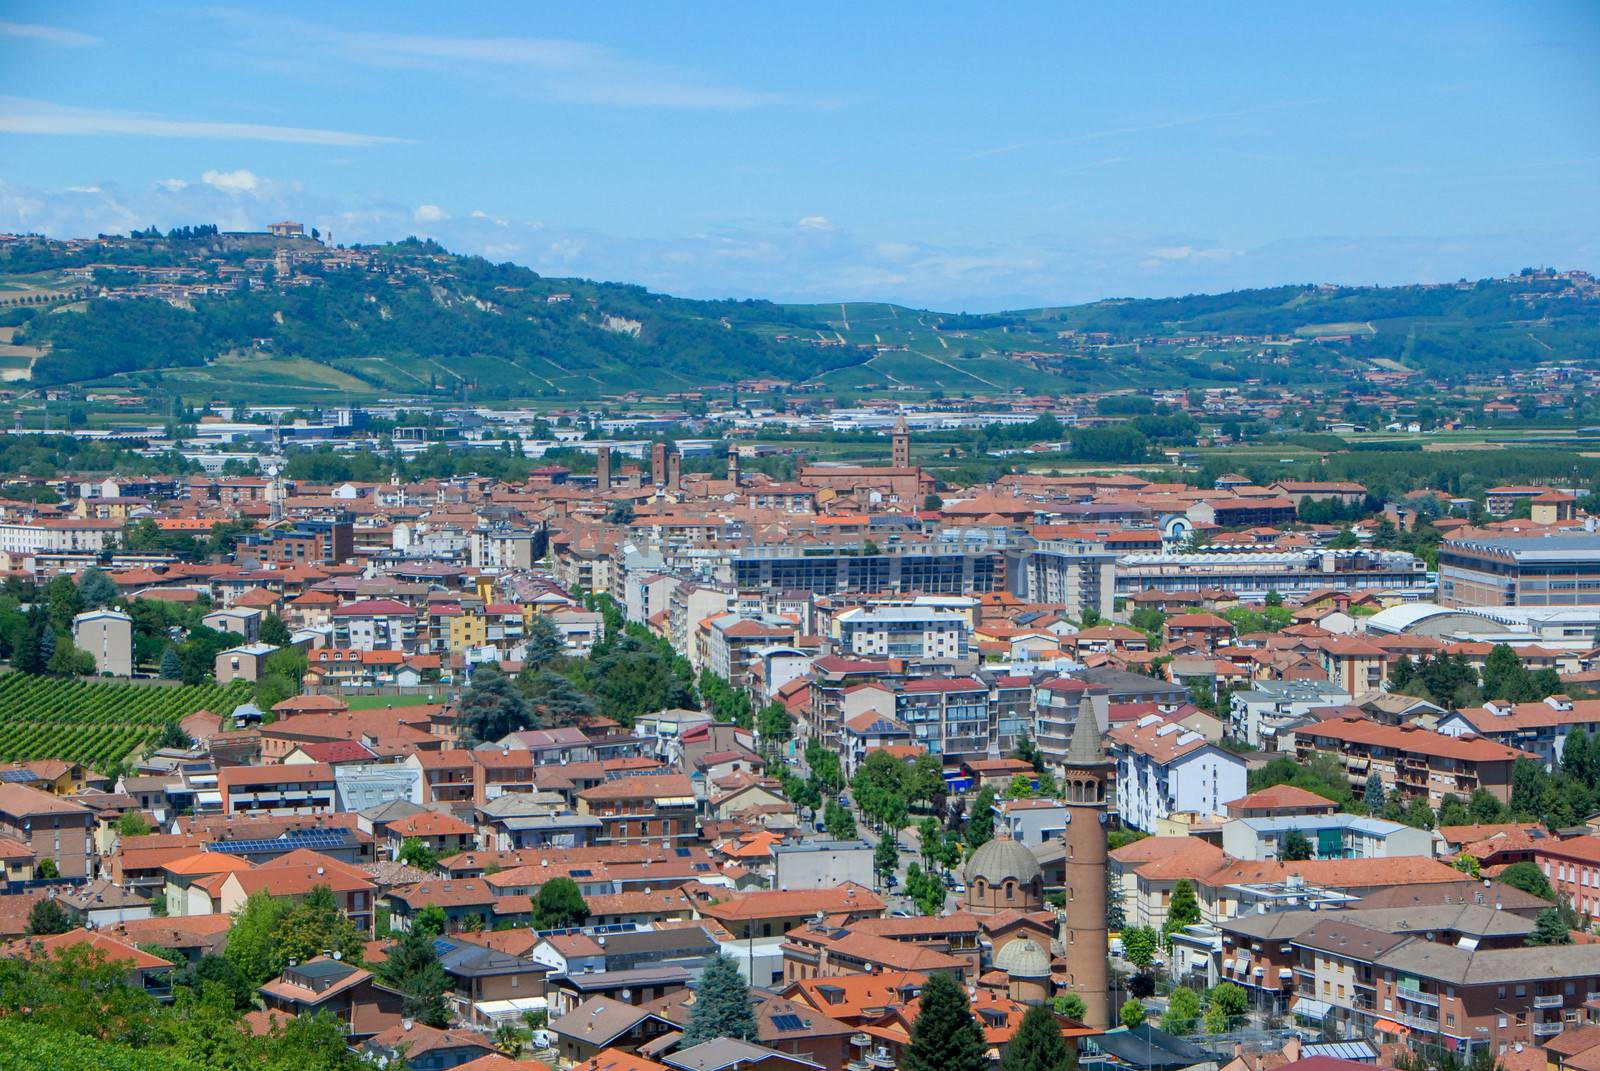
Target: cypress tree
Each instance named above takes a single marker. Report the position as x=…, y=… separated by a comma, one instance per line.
x=1373, y=795
x=1037, y=1045
x=171, y=665
x=945, y=1036
x=1549, y=929
x=721, y=1005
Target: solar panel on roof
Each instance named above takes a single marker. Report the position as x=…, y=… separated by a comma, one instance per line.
x=788, y=1022
x=582, y=873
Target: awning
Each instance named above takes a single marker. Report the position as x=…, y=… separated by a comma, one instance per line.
x=1315, y=1010
x=1389, y=1026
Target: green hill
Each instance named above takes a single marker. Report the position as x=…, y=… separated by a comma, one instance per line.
x=198, y=310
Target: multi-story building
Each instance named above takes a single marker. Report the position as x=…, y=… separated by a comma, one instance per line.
x=842, y=688
x=927, y=638
x=1259, y=715
x=1331, y=836
x=304, y=541
x=1417, y=761
x=1165, y=769
x=50, y=827
x=956, y=562
x=108, y=636
x=1076, y=575
x=947, y=715
x=1253, y=574
x=648, y=808
x=1540, y=727
x=1058, y=703
x=308, y=788
x=1553, y=570
x=733, y=643
x=375, y=625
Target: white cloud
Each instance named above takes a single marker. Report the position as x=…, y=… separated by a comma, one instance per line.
x=789, y=263
x=430, y=214
x=240, y=181
x=815, y=223
x=50, y=35
x=19, y=115
x=554, y=68
x=172, y=185
x=84, y=189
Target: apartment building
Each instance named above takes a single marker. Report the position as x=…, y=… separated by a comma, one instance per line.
x=1258, y=715
x=648, y=808
x=734, y=643
x=1418, y=761
x=928, y=638
x=1331, y=836
x=1074, y=574
x=1058, y=703
x=49, y=826
x=1164, y=769
x=308, y=788
x=1540, y=728
x=375, y=625
x=947, y=715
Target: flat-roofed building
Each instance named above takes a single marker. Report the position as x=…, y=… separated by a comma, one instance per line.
x=1553, y=570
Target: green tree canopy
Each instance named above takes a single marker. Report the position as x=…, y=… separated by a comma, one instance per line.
x=722, y=1006
x=945, y=1036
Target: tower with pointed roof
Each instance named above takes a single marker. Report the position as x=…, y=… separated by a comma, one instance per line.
x=1085, y=933
x=902, y=445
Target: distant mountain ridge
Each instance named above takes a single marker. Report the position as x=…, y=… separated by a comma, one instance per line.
x=411, y=317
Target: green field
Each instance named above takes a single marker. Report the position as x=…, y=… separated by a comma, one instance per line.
x=378, y=702
x=97, y=723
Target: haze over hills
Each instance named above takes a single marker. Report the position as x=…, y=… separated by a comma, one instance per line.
x=195, y=309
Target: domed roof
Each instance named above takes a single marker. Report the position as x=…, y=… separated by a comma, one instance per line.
x=1023, y=958
x=1003, y=859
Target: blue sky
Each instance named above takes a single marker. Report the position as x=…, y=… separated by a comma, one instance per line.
x=956, y=156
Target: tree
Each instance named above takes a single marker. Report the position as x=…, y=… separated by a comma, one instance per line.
x=1183, y=1011
x=1501, y=670
x=1345, y=540
x=414, y=969
x=1453, y=812
x=544, y=642
x=1228, y=1007
x=1418, y=814
x=250, y=940
x=886, y=857
x=1132, y=1013
x=313, y=926
x=1529, y=878
x=1548, y=929
x=1037, y=1045
x=1021, y=787
x=1485, y=807
x=63, y=601
x=95, y=588
x=1402, y=673
x=491, y=707
x=1072, y=1006
x=560, y=903
x=431, y=921
x=945, y=1036
x=46, y=870
x=980, y=824
x=1184, y=908
x=133, y=824
x=1296, y=847
x=840, y=823
x=774, y=726
x=925, y=889
x=1139, y=945
x=721, y=1004
x=553, y=699
x=47, y=917
x=275, y=631
x=417, y=853
x=171, y=665
x=67, y=661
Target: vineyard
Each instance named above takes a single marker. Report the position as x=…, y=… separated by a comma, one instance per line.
x=96, y=723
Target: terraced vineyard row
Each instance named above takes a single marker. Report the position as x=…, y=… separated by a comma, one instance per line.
x=93, y=722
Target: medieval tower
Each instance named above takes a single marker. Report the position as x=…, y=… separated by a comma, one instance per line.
x=1085, y=933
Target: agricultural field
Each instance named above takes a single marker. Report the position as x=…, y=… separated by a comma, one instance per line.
x=96, y=723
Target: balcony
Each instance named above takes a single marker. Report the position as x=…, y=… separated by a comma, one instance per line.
x=1549, y=1001
x=1549, y=1029
x=1417, y=996
x=1419, y=1022
x=881, y=1058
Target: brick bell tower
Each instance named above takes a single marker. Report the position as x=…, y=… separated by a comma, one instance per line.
x=1086, y=773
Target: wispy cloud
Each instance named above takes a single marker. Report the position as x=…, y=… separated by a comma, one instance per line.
x=553, y=68
x=50, y=35
x=19, y=115
x=1140, y=128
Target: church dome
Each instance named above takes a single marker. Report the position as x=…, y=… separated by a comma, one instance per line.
x=1002, y=860
x=1023, y=958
